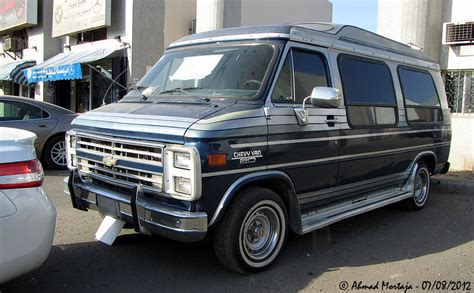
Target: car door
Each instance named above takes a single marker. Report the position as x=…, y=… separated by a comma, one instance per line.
x=308, y=153
x=368, y=148
x=28, y=117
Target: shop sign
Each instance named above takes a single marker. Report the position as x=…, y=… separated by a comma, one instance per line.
x=51, y=73
x=16, y=14
x=74, y=16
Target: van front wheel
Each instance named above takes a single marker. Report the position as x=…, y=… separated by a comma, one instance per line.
x=253, y=231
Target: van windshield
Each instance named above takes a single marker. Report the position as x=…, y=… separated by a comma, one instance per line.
x=217, y=71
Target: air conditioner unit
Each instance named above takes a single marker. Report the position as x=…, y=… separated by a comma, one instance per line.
x=13, y=44
x=458, y=33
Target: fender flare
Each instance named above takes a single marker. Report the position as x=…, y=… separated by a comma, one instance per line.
x=243, y=181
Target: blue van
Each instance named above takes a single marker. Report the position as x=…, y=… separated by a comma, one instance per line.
x=247, y=134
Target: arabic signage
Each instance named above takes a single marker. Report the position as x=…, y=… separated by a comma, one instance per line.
x=15, y=14
x=50, y=73
x=74, y=16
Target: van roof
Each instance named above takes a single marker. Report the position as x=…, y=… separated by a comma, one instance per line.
x=344, y=37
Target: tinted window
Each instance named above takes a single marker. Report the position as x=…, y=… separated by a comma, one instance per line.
x=284, y=85
x=366, y=82
x=10, y=111
x=418, y=88
x=368, y=90
x=305, y=71
x=310, y=72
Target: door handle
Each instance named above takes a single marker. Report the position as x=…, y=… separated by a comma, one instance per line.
x=331, y=120
x=42, y=125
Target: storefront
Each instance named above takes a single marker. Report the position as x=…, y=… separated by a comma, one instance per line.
x=13, y=81
x=86, y=77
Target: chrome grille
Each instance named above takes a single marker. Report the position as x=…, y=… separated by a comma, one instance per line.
x=136, y=151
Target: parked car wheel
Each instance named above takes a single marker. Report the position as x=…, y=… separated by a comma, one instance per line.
x=55, y=153
x=253, y=232
x=421, y=188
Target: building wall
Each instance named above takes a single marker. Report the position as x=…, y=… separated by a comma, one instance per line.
x=215, y=14
x=457, y=57
x=254, y=12
x=179, y=18
x=41, y=45
x=412, y=21
x=461, y=155
x=147, y=35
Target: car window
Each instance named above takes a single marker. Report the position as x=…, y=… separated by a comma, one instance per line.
x=421, y=98
x=310, y=72
x=418, y=88
x=284, y=86
x=302, y=71
x=11, y=111
x=368, y=91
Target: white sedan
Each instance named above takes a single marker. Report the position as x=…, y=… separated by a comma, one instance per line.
x=27, y=215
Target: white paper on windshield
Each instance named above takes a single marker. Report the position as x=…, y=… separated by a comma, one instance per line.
x=196, y=67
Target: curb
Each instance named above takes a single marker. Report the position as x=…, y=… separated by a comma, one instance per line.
x=452, y=185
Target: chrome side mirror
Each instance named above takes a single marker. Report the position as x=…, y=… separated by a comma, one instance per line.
x=323, y=97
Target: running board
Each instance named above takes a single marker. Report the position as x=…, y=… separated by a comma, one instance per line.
x=327, y=216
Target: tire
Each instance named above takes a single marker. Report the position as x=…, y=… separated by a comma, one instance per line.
x=253, y=232
x=421, y=188
x=54, y=153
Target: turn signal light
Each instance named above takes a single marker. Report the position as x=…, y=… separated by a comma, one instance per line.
x=217, y=160
x=21, y=174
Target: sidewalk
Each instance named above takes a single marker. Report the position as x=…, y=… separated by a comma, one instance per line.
x=454, y=182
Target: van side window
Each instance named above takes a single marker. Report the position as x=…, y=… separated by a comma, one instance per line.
x=283, y=91
x=302, y=71
x=368, y=91
x=421, y=98
x=310, y=71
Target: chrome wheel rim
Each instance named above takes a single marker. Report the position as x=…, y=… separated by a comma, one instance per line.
x=261, y=233
x=421, y=186
x=58, y=153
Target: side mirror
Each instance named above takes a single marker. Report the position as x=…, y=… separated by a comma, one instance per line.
x=323, y=97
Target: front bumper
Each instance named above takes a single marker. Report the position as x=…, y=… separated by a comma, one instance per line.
x=146, y=216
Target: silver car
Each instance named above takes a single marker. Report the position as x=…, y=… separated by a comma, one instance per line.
x=49, y=122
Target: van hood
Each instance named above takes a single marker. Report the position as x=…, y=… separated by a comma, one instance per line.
x=162, y=121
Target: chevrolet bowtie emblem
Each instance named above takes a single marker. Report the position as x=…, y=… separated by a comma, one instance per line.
x=109, y=161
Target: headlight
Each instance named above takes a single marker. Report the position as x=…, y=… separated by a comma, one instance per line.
x=182, y=160
x=182, y=173
x=183, y=185
x=71, y=149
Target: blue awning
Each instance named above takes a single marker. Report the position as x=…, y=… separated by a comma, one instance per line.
x=14, y=71
x=67, y=65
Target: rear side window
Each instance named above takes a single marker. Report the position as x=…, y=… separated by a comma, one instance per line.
x=421, y=98
x=368, y=91
x=11, y=111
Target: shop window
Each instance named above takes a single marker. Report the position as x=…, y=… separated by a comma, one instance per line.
x=309, y=71
x=368, y=91
x=421, y=98
x=91, y=36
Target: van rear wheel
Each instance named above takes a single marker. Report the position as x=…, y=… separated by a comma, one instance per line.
x=421, y=188
x=253, y=231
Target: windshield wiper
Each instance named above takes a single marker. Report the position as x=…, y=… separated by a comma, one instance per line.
x=186, y=91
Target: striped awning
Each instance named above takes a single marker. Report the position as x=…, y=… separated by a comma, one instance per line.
x=13, y=71
x=67, y=65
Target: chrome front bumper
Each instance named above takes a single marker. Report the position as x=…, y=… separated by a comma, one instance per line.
x=146, y=216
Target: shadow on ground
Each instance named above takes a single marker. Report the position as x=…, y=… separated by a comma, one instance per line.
x=143, y=263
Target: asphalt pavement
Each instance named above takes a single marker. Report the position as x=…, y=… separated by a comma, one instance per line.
x=390, y=249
